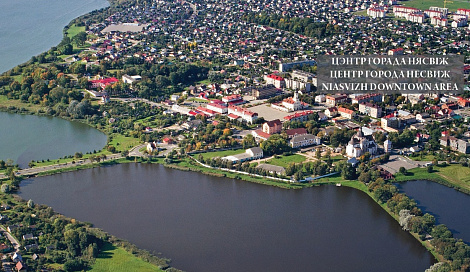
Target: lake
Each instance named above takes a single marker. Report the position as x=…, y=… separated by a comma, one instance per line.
x=30, y=27
x=205, y=223
x=30, y=137
x=448, y=205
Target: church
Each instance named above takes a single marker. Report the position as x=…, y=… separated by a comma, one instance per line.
x=360, y=144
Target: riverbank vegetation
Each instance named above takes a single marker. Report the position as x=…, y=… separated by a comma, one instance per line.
x=50, y=240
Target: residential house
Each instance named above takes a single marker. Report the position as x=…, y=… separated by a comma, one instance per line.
x=272, y=127
x=370, y=109
x=275, y=80
x=102, y=83
x=390, y=122
x=346, y=113
x=334, y=100
x=234, y=99
x=455, y=144
x=295, y=132
x=167, y=140
x=331, y=112
x=235, y=112
x=299, y=116
x=28, y=236
x=219, y=108
x=463, y=146
x=192, y=125
x=463, y=102
x=304, y=140
x=20, y=266
x=4, y=248
x=17, y=257
x=264, y=91
x=367, y=98
x=423, y=117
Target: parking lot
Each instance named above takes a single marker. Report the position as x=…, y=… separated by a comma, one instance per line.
x=269, y=113
x=395, y=162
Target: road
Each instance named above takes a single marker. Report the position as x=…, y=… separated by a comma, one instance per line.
x=133, y=152
x=37, y=170
x=13, y=241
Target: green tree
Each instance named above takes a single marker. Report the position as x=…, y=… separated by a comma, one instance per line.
x=402, y=170
x=80, y=38
x=429, y=168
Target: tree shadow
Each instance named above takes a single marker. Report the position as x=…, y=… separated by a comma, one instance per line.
x=106, y=251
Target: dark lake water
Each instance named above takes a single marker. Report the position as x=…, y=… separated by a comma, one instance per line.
x=449, y=206
x=205, y=223
x=30, y=27
x=28, y=137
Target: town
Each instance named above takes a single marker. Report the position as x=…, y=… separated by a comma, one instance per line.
x=231, y=89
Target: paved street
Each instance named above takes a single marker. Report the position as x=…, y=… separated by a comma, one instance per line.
x=37, y=170
x=16, y=245
x=133, y=152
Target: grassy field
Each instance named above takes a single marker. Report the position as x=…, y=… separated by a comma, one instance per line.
x=361, y=13
x=5, y=103
x=452, y=175
x=220, y=153
x=284, y=161
x=122, y=142
x=186, y=165
x=74, y=30
x=337, y=158
x=195, y=99
x=425, y=158
x=205, y=82
x=117, y=259
x=425, y=4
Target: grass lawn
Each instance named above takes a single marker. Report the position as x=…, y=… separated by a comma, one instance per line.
x=361, y=13
x=425, y=158
x=117, y=259
x=337, y=158
x=122, y=142
x=425, y=4
x=205, y=82
x=454, y=174
x=5, y=103
x=74, y=30
x=284, y=161
x=195, y=99
x=220, y=153
x=190, y=166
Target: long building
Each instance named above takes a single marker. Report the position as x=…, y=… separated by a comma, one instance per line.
x=284, y=67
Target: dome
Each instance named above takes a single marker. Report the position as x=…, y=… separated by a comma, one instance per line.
x=359, y=133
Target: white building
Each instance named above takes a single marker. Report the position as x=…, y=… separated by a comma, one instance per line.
x=304, y=140
x=360, y=144
x=376, y=12
x=290, y=104
x=250, y=154
x=387, y=146
x=131, y=79
x=217, y=108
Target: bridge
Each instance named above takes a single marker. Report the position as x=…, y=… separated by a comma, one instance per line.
x=133, y=152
